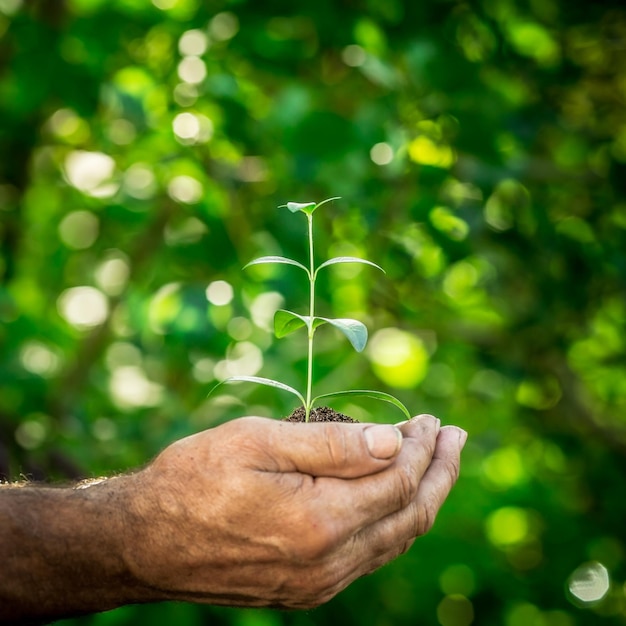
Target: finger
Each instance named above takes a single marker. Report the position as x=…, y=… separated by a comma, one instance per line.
x=386, y=539
x=355, y=504
x=324, y=448
x=411, y=428
x=440, y=477
x=395, y=534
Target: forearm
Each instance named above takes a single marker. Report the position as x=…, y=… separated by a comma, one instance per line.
x=61, y=551
x=251, y=513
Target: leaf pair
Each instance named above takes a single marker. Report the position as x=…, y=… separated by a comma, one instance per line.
x=306, y=207
x=334, y=261
x=286, y=322
x=377, y=395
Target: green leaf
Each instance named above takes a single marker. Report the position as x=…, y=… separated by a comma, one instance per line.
x=286, y=322
x=355, y=331
x=347, y=259
x=319, y=204
x=276, y=259
x=294, y=207
x=306, y=207
x=377, y=395
x=268, y=382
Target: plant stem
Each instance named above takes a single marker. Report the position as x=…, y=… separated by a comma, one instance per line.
x=309, y=375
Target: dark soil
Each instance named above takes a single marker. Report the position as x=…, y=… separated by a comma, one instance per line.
x=319, y=414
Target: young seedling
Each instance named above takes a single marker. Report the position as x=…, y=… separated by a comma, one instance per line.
x=286, y=322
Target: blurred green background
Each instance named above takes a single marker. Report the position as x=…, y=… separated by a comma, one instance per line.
x=480, y=152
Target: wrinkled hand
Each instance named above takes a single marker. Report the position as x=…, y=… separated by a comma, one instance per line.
x=258, y=512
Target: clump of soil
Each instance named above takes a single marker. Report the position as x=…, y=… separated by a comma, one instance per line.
x=319, y=414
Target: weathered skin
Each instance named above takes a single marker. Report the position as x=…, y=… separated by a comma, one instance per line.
x=255, y=512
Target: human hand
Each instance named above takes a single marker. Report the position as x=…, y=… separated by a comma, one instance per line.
x=258, y=512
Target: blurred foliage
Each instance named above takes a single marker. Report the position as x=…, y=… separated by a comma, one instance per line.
x=480, y=152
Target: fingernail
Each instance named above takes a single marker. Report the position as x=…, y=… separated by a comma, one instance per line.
x=383, y=441
x=427, y=416
x=462, y=438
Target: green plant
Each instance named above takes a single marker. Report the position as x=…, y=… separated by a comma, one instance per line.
x=286, y=322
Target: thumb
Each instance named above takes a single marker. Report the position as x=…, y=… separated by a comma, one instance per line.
x=332, y=449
